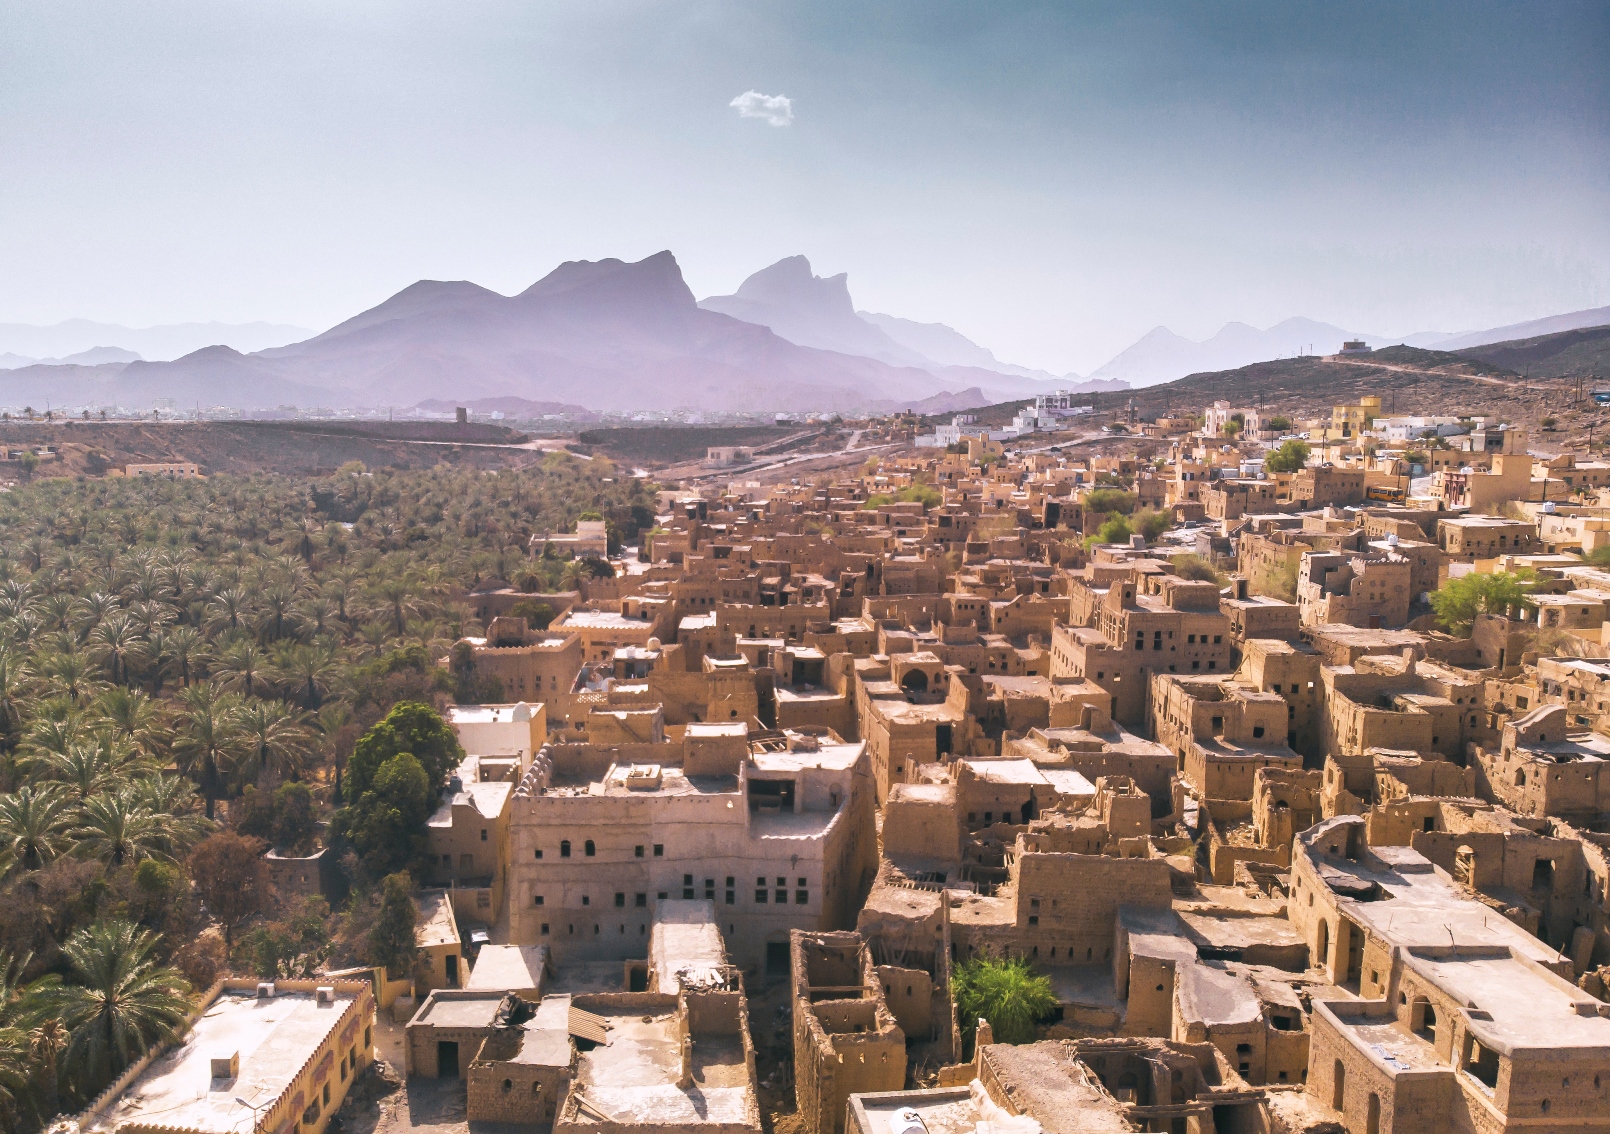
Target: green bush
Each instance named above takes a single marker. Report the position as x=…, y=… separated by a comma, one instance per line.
x=1110, y=500
x=1008, y=993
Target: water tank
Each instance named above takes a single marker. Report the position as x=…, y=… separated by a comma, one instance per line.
x=1548, y=507
x=907, y=1121
x=1392, y=539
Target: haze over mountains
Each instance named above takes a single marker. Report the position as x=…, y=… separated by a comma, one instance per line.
x=610, y=335
x=1163, y=356
x=66, y=341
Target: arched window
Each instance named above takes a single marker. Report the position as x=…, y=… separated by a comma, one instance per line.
x=590, y=849
x=564, y=848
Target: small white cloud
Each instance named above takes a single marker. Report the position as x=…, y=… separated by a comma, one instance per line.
x=775, y=109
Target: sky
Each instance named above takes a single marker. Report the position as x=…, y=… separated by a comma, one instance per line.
x=1053, y=180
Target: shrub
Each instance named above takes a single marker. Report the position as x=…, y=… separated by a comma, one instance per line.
x=1110, y=500
x=1008, y=993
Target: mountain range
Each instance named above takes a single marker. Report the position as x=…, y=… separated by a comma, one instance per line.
x=611, y=335
x=606, y=334
x=65, y=341
x=1163, y=356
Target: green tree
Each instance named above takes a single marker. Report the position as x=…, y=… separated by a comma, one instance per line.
x=393, y=941
x=386, y=823
x=1291, y=456
x=1194, y=567
x=1110, y=500
x=116, y=1003
x=1458, y=601
x=1279, y=423
x=1152, y=524
x=116, y=828
x=409, y=727
x=1116, y=529
x=1006, y=992
x=925, y=494
x=537, y=614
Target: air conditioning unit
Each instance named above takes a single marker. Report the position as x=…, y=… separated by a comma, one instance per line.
x=325, y=993
x=265, y=990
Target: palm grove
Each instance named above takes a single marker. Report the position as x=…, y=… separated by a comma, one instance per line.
x=265, y=643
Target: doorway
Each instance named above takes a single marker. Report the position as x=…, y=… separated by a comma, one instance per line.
x=447, y=1059
x=777, y=962
x=452, y=970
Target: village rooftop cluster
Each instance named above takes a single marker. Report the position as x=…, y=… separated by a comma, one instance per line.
x=1197, y=732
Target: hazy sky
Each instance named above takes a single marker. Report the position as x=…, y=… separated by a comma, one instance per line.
x=1052, y=180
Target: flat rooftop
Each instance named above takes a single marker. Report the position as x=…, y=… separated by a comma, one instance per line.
x=685, y=938
x=459, y=1008
x=489, y=714
x=489, y=800
x=601, y=620
x=943, y=1110
x=633, y=1077
x=508, y=968
x=437, y=926
x=274, y=1037
x=1528, y=1009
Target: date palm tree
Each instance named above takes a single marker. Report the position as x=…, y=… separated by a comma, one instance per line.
x=229, y=609
x=113, y=643
x=116, y=828
x=241, y=666
x=274, y=742
x=189, y=652
x=397, y=601
x=34, y=821
x=174, y=799
x=130, y=714
x=117, y=1003
x=210, y=739
x=305, y=672
x=13, y=696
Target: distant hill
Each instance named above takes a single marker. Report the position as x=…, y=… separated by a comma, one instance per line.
x=92, y=357
x=169, y=341
x=1576, y=353
x=1533, y=328
x=810, y=310
x=1162, y=356
x=1409, y=380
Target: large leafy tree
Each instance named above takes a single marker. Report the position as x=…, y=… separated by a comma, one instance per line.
x=409, y=727
x=1289, y=457
x=1458, y=601
x=386, y=823
x=230, y=874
